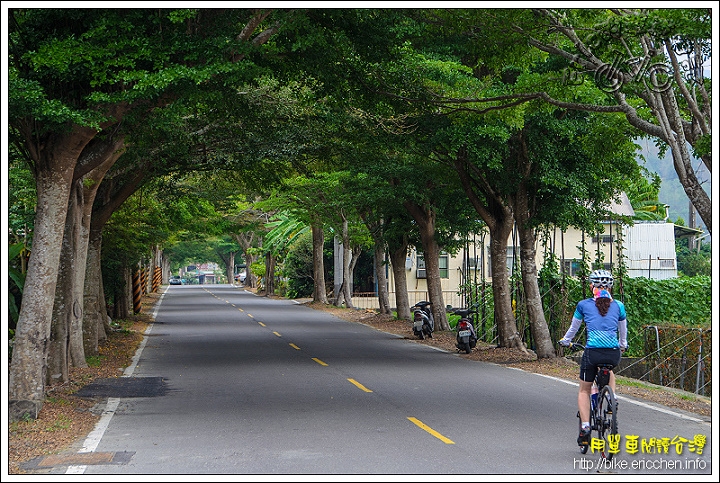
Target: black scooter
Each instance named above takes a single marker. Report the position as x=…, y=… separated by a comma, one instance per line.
x=466, y=338
x=423, y=321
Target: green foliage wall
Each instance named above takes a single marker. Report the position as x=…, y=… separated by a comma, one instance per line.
x=684, y=301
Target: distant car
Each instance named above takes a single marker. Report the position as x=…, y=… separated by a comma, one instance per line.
x=176, y=281
x=240, y=277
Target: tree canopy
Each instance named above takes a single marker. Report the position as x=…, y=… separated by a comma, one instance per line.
x=391, y=127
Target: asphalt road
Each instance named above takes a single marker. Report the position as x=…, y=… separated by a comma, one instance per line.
x=245, y=385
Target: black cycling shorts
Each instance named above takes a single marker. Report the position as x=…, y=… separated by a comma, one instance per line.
x=592, y=357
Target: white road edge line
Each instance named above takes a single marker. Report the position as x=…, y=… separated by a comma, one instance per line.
x=631, y=401
x=93, y=439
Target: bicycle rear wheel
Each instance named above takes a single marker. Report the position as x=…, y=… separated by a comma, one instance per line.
x=606, y=423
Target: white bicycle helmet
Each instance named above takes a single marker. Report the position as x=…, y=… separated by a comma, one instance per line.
x=601, y=279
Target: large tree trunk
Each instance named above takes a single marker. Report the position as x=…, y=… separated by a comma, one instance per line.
x=508, y=335
x=230, y=267
x=93, y=298
x=425, y=218
x=67, y=309
x=246, y=240
x=524, y=209
x=318, y=241
x=345, y=292
x=498, y=217
x=123, y=307
x=88, y=185
x=672, y=125
x=53, y=177
x=398, y=255
x=166, y=270
x=544, y=347
x=381, y=277
x=270, y=262
x=376, y=230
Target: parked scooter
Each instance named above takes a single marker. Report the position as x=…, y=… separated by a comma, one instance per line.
x=466, y=338
x=423, y=321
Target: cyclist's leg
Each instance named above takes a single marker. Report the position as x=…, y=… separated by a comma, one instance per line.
x=588, y=371
x=584, y=400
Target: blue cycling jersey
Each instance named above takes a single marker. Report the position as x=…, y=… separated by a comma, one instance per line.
x=602, y=331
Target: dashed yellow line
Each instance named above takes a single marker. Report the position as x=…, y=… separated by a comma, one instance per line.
x=319, y=361
x=353, y=381
x=424, y=427
x=277, y=334
x=294, y=346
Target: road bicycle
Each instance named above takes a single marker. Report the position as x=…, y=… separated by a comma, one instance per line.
x=604, y=436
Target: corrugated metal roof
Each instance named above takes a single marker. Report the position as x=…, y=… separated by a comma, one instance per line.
x=623, y=207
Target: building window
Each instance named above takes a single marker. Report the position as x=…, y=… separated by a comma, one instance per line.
x=421, y=272
x=572, y=267
x=443, y=260
x=513, y=256
x=603, y=239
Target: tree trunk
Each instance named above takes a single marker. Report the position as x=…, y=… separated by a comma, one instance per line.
x=124, y=297
x=498, y=217
x=376, y=230
x=345, y=292
x=67, y=306
x=425, y=218
x=246, y=240
x=166, y=270
x=270, y=261
x=544, y=347
x=672, y=125
x=523, y=212
x=318, y=241
x=381, y=277
x=93, y=298
x=508, y=335
x=230, y=267
x=53, y=176
x=398, y=255
x=346, y=289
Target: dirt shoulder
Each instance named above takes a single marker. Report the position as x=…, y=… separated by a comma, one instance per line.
x=65, y=419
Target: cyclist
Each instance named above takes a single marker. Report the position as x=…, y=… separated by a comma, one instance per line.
x=606, y=324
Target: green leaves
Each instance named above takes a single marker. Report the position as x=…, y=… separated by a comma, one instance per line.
x=686, y=301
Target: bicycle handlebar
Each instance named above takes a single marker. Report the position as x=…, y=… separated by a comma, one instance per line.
x=573, y=345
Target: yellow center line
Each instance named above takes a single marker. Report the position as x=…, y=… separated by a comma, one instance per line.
x=251, y=316
x=439, y=436
x=294, y=346
x=353, y=381
x=261, y=324
x=276, y=334
x=241, y=310
x=319, y=361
